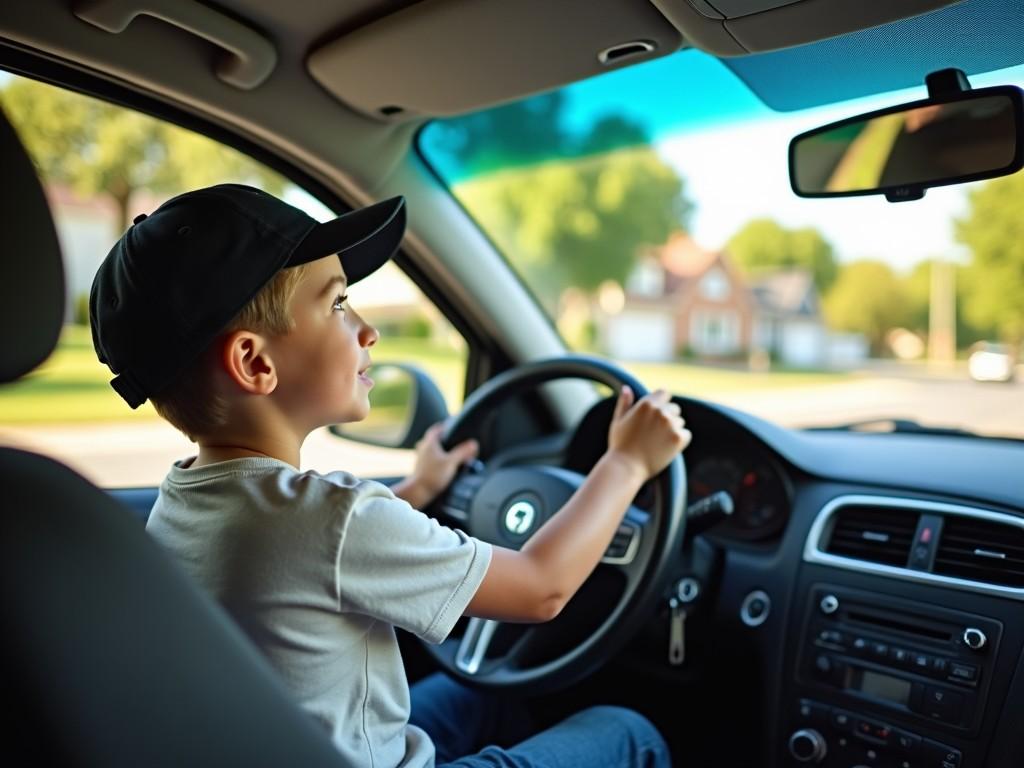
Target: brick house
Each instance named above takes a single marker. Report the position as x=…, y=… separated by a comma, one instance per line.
x=683, y=300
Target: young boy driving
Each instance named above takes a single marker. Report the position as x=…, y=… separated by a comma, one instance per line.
x=227, y=309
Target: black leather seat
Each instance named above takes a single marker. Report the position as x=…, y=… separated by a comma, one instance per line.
x=110, y=655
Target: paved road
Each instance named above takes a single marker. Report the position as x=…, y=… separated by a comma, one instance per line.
x=117, y=455
x=996, y=409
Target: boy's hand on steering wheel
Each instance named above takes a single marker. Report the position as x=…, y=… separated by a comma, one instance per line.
x=648, y=433
x=435, y=467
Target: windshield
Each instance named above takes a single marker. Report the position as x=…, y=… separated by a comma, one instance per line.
x=650, y=212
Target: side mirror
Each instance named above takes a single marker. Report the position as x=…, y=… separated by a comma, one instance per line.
x=954, y=136
x=404, y=403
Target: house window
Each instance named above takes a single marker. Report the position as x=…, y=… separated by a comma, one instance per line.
x=715, y=333
x=714, y=286
x=647, y=279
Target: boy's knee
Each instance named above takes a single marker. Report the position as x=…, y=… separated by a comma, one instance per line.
x=639, y=730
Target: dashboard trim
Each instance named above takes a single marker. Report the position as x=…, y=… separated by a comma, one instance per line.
x=814, y=552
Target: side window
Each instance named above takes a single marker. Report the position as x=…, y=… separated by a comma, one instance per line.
x=101, y=165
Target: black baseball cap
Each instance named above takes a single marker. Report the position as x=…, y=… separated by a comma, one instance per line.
x=177, y=277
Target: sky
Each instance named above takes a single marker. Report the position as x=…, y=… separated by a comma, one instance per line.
x=735, y=174
x=739, y=174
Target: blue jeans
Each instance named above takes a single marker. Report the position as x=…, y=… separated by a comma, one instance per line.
x=474, y=729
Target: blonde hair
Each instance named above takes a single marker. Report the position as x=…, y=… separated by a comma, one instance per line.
x=190, y=403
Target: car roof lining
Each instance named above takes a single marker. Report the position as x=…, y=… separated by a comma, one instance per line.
x=170, y=64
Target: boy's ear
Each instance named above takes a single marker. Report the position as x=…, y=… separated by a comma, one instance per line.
x=246, y=360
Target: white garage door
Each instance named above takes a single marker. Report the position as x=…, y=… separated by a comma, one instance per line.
x=641, y=336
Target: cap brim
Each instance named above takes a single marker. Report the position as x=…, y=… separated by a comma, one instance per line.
x=364, y=239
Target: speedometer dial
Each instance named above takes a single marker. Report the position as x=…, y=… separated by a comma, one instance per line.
x=717, y=473
x=757, y=489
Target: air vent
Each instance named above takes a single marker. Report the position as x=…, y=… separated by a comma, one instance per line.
x=873, y=533
x=981, y=550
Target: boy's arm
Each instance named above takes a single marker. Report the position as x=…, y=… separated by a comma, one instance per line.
x=534, y=583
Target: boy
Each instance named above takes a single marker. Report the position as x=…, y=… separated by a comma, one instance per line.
x=227, y=308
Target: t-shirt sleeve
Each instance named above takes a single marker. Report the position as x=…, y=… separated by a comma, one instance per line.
x=401, y=566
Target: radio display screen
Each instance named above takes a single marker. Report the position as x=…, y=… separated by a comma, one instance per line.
x=885, y=687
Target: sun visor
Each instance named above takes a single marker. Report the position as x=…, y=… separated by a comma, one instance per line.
x=735, y=27
x=446, y=57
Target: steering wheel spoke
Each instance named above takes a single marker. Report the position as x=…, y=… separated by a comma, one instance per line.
x=473, y=647
x=452, y=508
x=624, y=550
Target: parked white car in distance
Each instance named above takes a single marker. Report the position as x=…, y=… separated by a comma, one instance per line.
x=991, y=361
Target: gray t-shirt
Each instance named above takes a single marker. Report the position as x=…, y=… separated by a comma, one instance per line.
x=317, y=569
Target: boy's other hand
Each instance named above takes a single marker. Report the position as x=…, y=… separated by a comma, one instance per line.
x=435, y=467
x=649, y=433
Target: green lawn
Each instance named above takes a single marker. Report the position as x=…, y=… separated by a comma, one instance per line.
x=72, y=386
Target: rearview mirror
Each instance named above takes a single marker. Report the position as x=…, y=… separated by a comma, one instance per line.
x=901, y=151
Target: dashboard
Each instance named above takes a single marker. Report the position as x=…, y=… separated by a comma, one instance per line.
x=890, y=573
x=887, y=571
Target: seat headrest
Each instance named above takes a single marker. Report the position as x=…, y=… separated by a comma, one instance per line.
x=31, y=273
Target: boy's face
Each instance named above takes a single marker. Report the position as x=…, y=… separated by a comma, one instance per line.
x=321, y=363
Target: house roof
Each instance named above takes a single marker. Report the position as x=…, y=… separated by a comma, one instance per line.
x=682, y=257
x=788, y=291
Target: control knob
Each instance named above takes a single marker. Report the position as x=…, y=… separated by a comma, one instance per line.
x=829, y=604
x=807, y=746
x=974, y=638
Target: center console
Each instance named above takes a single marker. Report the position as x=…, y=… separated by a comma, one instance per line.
x=887, y=682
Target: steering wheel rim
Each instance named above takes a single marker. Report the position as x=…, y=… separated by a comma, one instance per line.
x=660, y=540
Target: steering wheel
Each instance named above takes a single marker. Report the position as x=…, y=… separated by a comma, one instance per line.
x=506, y=505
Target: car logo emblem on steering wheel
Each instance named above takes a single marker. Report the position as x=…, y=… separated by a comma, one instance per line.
x=519, y=517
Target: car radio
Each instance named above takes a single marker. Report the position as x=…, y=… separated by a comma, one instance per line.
x=921, y=663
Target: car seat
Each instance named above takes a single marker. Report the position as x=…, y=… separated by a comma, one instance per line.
x=111, y=655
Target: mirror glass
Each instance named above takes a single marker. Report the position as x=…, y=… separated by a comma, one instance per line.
x=919, y=146
x=392, y=404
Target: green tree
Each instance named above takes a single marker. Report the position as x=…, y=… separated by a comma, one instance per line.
x=571, y=207
x=763, y=245
x=869, y=298
x=100, y=148
x=993, y=230
x=579, y=222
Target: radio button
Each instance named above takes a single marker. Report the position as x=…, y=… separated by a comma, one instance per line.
x=842, y=721
x=869, y=730
x=967, y=673
x=940, y=755
x=907, y=743
x=860, y=645
x=921, y=661
x=940, y=666
x=881, y=650
x=942, y=704
x=901, y=656
x=831, y=636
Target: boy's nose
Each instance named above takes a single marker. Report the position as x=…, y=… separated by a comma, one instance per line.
x=368, y=335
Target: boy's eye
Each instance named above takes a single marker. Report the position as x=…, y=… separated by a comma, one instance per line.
x=339, y=302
